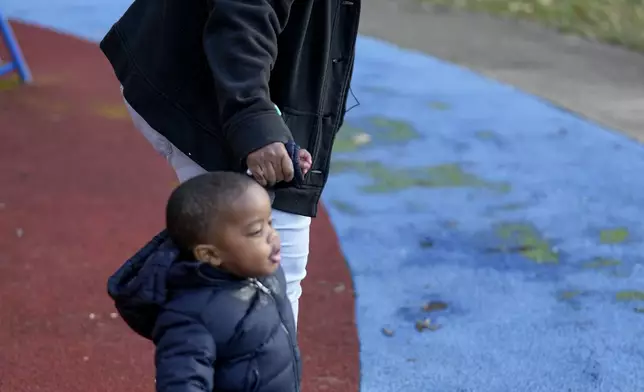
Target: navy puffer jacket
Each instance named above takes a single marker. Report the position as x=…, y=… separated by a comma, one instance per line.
x=212, y=331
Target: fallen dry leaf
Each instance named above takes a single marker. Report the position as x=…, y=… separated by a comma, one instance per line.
x=422, y=324
x=426, y=324
x=339, y=288
x=434, y=306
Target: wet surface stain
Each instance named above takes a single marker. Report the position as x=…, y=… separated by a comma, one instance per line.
x=561, y=132
x=630, y=295
x=112, y=111
x=486, y=135
x=345, y=207
x=387, y=90
x=512, y=206
x=621, y=274
x=508, y=207
x=416, y=206
x=568, y=295
x=601, y=262
x=449, y=224
x=526, y=240
x=438, y=105
x=385, y=179
x=426, y=243
x=613, y=236
x=380, y=90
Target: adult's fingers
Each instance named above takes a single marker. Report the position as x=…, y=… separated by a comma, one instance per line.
x=269, y=174
x=288, y=172
x=258, y=175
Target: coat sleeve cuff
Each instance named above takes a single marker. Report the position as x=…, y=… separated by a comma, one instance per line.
x=256, y=131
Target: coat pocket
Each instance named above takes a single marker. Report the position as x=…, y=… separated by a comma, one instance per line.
x=308, y=131
x=304, y=127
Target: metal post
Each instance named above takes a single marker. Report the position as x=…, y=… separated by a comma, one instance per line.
x=17, y=62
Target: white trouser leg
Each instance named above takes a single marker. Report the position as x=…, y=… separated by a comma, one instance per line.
x=294, y=233
x=293, y=229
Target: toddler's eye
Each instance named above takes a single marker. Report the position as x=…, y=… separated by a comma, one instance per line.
x=255, y=230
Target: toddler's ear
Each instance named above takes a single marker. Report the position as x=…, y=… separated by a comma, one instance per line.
x=207, y=254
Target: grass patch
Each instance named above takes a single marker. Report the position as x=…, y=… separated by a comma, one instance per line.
x=386, y=179
x=526, y=240
x=614, y=21
x=630, y=295
x=613, y=236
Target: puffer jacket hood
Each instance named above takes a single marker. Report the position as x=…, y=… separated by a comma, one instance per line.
x=139, y=286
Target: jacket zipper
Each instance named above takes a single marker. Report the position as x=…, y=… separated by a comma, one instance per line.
x=268, y=292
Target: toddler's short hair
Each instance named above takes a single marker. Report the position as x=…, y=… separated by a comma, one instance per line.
x=195, y=204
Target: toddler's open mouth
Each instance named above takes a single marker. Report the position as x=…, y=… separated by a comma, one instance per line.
x=276, y=256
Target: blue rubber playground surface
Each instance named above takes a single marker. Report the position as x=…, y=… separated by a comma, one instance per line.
x=495, y=240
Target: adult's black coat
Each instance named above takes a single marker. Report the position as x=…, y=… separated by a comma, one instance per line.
x=207, y=73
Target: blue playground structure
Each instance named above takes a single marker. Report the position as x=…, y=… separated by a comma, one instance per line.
x=17, y=62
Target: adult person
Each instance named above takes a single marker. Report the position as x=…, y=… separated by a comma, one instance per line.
x=202, y=78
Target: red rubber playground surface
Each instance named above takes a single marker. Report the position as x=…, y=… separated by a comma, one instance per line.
x=79, y=192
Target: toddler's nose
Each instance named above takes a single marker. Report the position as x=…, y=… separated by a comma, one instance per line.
x=273, y=237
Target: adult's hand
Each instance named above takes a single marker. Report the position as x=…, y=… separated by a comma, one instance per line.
x=270, y=164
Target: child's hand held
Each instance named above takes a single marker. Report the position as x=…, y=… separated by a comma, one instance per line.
x=306, y=160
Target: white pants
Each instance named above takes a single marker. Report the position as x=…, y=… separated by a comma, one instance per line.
x=293, y=229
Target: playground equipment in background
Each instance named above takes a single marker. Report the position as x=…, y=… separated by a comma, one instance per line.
x=17, y=62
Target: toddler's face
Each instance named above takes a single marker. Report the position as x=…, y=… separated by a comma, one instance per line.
x=244, y=241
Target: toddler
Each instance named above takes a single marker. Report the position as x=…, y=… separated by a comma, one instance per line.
x=209, y=292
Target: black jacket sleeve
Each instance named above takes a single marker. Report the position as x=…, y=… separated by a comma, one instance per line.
x=185, y=354
x=240, y=42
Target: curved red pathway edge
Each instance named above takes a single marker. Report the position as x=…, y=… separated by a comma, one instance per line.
x=79, y=192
